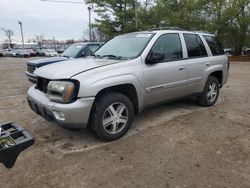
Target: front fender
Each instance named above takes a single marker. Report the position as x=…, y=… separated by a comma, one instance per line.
x=90, y=88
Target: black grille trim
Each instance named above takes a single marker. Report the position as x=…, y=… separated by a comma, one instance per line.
x=42, y=84
x=30, y=68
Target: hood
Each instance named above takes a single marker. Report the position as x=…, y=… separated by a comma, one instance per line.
x=46, y=61
x=69, y=68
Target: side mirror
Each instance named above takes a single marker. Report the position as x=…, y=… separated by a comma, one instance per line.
x=155, y=57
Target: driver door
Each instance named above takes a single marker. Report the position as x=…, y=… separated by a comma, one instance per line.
x=166, y=79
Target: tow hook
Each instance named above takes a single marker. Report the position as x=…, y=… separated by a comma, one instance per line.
x=13, y=140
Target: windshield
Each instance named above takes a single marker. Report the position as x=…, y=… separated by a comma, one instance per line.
x=73, y=50
x=124, y=46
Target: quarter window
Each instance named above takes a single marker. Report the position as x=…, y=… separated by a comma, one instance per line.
x=170, y=45
x=214, y=45
x=202, y=47
x=195, y=46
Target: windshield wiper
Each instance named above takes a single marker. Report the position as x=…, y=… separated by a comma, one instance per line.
x=97, y=56
x=112, y=56
x=109, y=56
x=65, y=56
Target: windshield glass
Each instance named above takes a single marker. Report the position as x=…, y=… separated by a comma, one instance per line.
x=73, y=50
x=124, y=46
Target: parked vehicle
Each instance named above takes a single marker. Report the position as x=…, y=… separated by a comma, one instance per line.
x=1, y=53
x=40, y=52
x=31, y=52
x=74, y=51
x=11, y=52
x=127, y=74
x=246, y=51
x=50, y=53
x=22, y=53
x=60, y=51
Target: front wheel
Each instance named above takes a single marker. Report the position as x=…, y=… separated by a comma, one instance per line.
x=210, y=93
x=112, y=116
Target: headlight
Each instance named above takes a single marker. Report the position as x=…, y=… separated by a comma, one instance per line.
x=61, y=91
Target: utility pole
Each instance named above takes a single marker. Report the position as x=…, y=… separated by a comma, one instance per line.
x=75, y=2
x=90, y=8
x=21, y=27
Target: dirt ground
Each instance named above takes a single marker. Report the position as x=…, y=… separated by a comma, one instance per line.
x=174, y=145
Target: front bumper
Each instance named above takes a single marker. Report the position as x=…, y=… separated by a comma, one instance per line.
x=72, y=115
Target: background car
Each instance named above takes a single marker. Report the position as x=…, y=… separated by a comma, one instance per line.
x=31, y=52
x=60, y=50
x=11, y=52
x=1, y=53
x=50, y=53
x=246, y=51
x=22, y=53
x=77, y=50
x=40, y=52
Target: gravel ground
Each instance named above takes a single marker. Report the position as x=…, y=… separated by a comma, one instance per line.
x=174, y=145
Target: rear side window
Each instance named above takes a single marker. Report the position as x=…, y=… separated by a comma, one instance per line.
x=202, y=47
x=214, y=45
x=170, y=45
x=195, y=46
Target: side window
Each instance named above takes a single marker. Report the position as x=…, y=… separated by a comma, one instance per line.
x=170, y=45
x=202, y=47
x=214, y=45
x=87, y=52
x=93, y=47
x=195, y=46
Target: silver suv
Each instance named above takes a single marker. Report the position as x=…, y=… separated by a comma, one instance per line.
x=127, y=74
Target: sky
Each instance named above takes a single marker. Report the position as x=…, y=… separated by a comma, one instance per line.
x=59, y=20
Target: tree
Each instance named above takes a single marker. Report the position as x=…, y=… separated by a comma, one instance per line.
x=9, y=33
x=39, y=40
x=115, y=17
x=228, y=19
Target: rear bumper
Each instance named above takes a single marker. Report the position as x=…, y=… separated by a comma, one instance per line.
x=72, y=115
x=31, y=77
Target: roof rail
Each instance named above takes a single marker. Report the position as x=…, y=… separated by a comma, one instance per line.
x=168, y=28
x=200, y=31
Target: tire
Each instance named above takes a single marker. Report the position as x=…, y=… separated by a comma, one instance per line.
x=208, y=100
x=114, y=109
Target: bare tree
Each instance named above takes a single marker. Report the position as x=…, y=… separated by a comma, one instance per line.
x=98, y=35
x=39, y=40
x=9, y=33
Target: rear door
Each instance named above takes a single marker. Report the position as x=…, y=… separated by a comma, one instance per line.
x=197, y=61
x=167, y=79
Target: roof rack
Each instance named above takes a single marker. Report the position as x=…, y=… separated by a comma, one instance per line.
x=200, y=31
x=168, y=28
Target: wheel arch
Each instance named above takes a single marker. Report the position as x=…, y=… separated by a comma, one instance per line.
x=127, y=89
x=219, y=75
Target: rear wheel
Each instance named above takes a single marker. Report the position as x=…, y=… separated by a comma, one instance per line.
x=112, y=116
x=210, y=93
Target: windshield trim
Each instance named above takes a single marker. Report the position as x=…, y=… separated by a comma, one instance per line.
x=139, y=54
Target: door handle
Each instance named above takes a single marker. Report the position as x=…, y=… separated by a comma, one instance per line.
x=181, y=68
x=207, y=64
